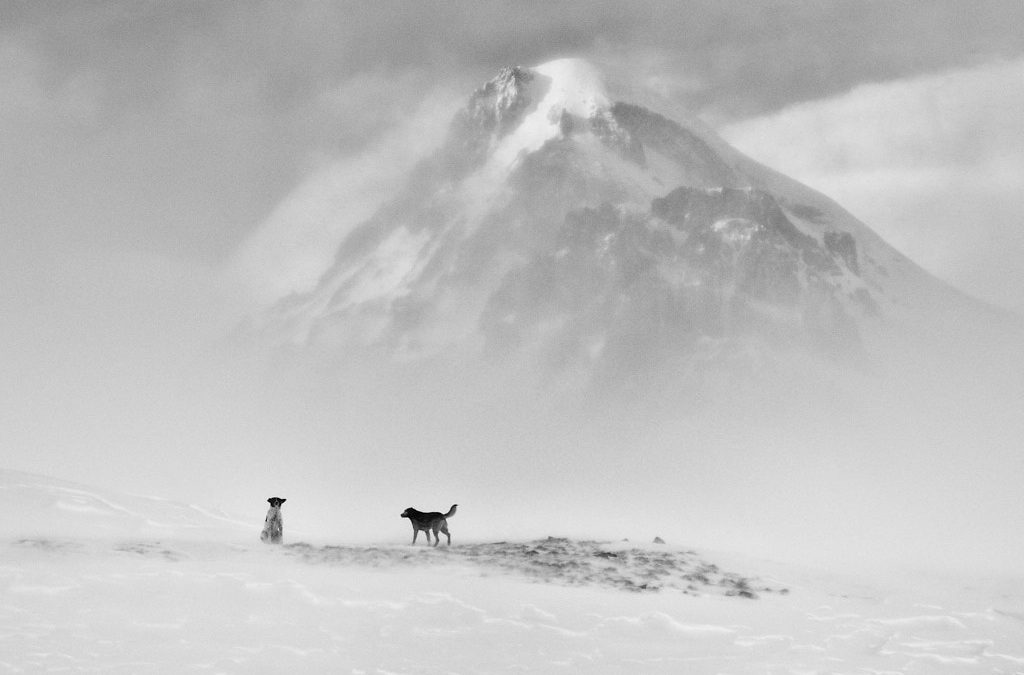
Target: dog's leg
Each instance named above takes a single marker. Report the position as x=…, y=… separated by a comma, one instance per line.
x=444, y=528
x=415, y=533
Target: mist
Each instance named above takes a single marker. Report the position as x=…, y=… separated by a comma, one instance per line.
x=153, y=204
x=913, y=459
x=912, y=462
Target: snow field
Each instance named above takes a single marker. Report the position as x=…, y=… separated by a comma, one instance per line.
x=149, y=607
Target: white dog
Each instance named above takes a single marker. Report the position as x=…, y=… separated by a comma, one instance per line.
x=273, y=525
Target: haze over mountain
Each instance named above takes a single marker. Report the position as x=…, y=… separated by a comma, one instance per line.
x=593, y=300
x=602, y=242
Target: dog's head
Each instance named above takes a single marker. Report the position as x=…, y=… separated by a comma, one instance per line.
x=275, y=502
x=408, y=512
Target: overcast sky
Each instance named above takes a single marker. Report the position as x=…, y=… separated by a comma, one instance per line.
x=146, y=145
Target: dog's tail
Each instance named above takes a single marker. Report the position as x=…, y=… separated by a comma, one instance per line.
x=451, y=511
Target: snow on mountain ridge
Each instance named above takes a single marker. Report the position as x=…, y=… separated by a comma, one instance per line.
x=577, y=86
x=573, y=88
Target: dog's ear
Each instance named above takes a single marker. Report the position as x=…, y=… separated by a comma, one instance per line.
x=270, y=500
x=282, y=501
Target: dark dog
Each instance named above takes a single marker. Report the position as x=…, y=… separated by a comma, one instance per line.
x=273, y=525
x=429, y=522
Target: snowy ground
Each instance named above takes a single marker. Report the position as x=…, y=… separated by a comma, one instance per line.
x=191, y=601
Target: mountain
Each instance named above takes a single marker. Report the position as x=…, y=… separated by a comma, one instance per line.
x=595, y=241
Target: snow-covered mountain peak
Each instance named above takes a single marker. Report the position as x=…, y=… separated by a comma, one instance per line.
x=558, y=98
x=576, y=86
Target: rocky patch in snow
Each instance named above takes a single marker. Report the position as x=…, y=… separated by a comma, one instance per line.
x=558, y=560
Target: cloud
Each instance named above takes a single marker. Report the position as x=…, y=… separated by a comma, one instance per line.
x=296, y=243
x=749, y=57
x=210, y=111
x=26, y=94
x=933, y=163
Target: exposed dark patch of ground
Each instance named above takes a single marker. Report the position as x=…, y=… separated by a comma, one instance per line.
x=150, y=549
x=558, y=560
x=48, y=545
